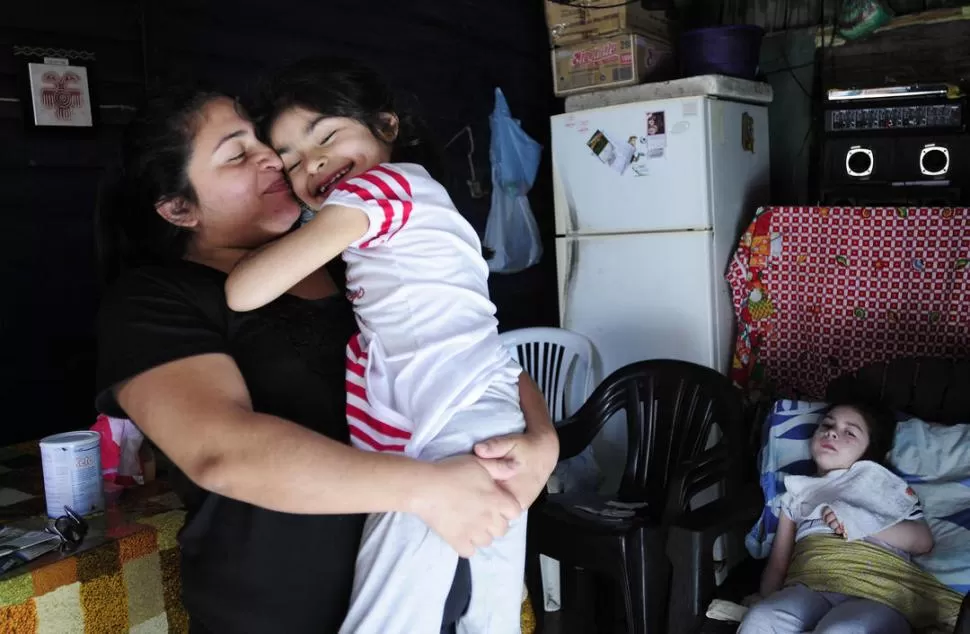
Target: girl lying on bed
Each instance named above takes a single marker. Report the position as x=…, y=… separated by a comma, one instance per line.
x=841, y=558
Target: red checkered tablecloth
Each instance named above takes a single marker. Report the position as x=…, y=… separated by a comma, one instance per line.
x=822, y=290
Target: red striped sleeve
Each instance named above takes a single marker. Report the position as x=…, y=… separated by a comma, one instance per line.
x=386, y=197
x=398, y=177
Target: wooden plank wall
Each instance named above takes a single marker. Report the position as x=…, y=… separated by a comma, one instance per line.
x=918, y=53
x=776, y=15
x=448, y=55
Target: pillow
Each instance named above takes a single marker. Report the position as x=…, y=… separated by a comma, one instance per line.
x=924, y=452
x=934, y=459
x=784, y=451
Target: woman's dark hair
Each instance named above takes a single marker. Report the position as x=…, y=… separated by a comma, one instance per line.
x=339, y=87
x=880, y=422
x=155, y=153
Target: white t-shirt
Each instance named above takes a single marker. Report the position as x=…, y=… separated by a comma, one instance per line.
x=429, y=342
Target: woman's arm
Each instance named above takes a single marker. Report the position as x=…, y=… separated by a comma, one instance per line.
x=270, y=271
x=780, y=558
x=911, y=536
x=198, y=411
x=533, y=454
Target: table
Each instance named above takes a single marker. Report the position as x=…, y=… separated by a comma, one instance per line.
x=123, y=578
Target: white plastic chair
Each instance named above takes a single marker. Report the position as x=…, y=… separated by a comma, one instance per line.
x=566, y=367
x=563, y=363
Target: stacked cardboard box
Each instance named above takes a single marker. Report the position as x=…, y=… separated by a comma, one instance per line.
x=599, y=44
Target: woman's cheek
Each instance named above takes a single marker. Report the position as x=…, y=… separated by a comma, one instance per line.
x=298, y=184
x=233, y=192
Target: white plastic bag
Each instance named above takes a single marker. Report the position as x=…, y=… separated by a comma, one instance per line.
x=511, y=231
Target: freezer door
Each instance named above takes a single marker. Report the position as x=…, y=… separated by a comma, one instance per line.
x=632, y=168
x=740, y=183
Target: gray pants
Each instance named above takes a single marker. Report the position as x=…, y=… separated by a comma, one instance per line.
x=797, y=609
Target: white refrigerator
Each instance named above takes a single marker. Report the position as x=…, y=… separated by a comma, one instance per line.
x=650, y=200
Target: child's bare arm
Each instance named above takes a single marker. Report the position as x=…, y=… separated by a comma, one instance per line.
x=274, y=269
x=911, y=536
x=780, y=558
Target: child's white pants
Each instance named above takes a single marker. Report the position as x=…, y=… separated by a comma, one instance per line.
x=404, y=570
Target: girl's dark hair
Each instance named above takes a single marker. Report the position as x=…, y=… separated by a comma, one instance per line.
x=339, y=87
x=155, y=153
x=880, y=421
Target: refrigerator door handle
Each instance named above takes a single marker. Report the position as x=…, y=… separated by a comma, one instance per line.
x=572, y=258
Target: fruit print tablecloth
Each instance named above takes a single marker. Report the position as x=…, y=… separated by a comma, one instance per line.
x=822, y=290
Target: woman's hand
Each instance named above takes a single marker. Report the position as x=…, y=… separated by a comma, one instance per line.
x=522, y=463
x=462, y=502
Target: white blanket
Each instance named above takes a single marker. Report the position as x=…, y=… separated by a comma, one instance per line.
x=866, y=498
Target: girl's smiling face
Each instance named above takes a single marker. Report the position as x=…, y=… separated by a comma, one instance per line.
x=320, y=152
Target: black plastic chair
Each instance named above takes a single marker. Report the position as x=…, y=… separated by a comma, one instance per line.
x=671, y=408
x=931, y=389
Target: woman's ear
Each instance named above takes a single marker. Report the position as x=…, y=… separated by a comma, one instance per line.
x=390, y=126
x=177, y=211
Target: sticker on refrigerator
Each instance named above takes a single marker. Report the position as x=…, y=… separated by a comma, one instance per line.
x=656, y=134
x=616, y=155
x=637, y=162
x=747, y=133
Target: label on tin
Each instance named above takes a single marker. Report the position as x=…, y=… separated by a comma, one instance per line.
x=72, y=476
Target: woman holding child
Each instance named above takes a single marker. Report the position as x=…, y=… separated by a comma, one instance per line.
x=251, y=407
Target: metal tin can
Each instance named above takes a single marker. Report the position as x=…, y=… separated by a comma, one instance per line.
x=72, y=472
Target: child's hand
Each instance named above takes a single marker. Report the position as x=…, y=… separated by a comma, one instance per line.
x=828, y=516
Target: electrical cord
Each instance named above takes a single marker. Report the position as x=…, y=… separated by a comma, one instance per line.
x=786, y=69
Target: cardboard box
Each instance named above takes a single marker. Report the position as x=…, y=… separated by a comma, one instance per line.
x=610, y=62
x=572, y=23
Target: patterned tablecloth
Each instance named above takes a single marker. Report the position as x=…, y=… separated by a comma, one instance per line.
x=819, y=291
x=125, y=576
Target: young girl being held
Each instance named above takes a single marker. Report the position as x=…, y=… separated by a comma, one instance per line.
x=427, y=376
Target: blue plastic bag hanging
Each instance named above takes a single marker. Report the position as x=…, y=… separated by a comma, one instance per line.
x=511, y=231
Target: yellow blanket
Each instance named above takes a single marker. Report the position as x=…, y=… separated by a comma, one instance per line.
x=828, y=563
